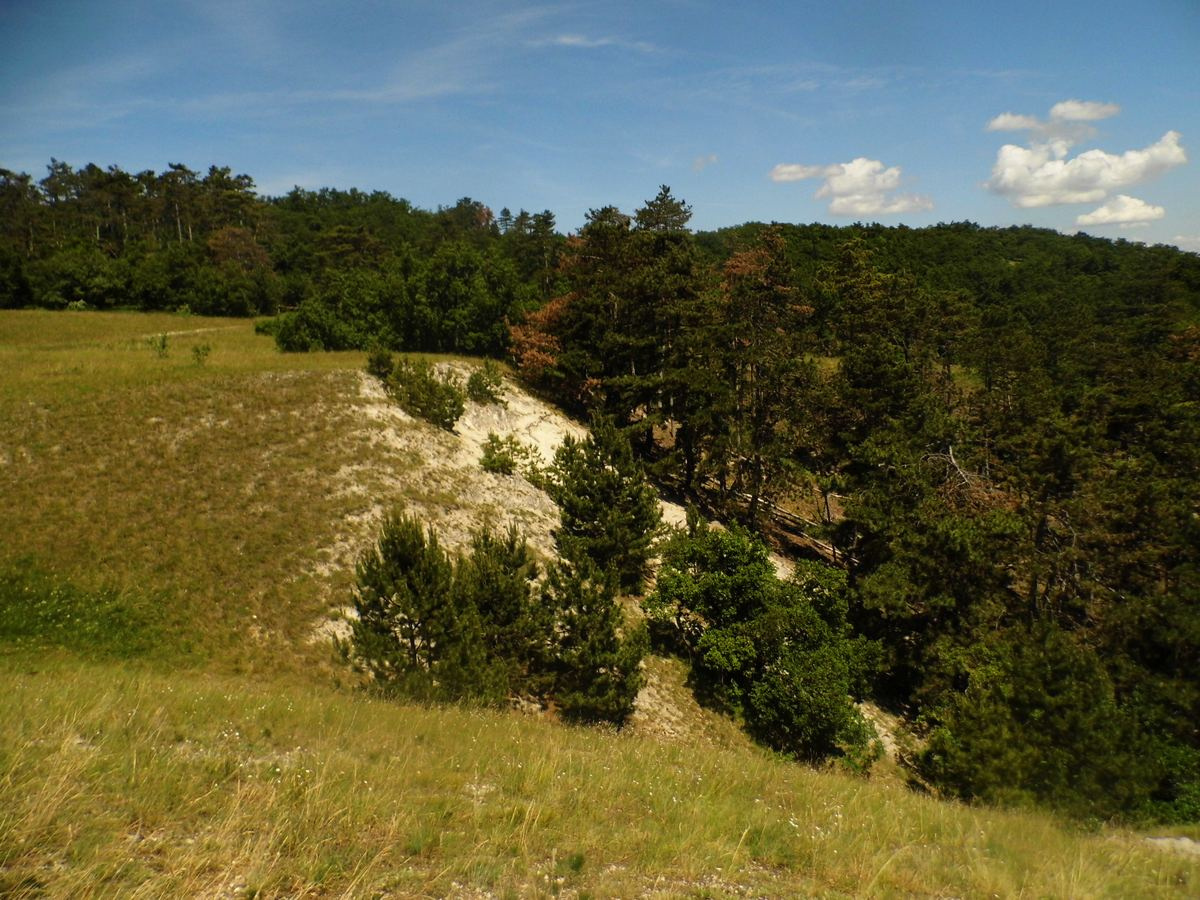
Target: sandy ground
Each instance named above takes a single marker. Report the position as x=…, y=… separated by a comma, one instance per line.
x=437, y=477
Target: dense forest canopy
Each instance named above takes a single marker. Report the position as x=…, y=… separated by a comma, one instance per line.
x=1001, y=426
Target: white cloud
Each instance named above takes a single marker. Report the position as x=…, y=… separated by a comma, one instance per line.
x=1082, y=111
x=1122, y=210
x=700, y=163
x=1041, y=175
x=797, y=172
x=1189, y=242
x=583, y=42
x=1068, y=121
x=1012, y=122
x=861, y=187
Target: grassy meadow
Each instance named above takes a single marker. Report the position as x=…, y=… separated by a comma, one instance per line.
x=169, y=727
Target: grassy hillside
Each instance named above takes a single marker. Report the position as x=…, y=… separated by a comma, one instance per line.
x=177, y=526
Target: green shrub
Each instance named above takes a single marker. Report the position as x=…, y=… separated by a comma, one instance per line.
x=380, y=362
x=269, y=326
x=414, y=634
x=315, y=326
x=421, y=393
x=506, y=455
x=610, y=513
x=1038, y=722
x=486, y=384
x=200, y=353
x=501, y=455
x=497, y=579
x=478, y=627
x=597, y=668
x=779, y=654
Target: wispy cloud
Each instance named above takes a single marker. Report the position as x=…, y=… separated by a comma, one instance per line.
x=83, y=96
x=583, y=42
x=464, y=63
x=700, y=163
x=254, y=26
x=861, y=187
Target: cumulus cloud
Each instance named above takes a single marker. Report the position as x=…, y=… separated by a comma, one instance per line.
x=1189, y=242
x=1042, y=175
x=1068, y=121
x=1043, y=172
x=861, y=187
x=1082, y=111
x=700, y=163
x=1122, y=210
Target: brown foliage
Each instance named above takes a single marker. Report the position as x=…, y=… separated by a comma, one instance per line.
x=535, y=346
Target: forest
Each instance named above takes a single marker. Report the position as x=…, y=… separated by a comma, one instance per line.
x=992, y=433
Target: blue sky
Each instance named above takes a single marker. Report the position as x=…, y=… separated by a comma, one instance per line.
x=1069, y=115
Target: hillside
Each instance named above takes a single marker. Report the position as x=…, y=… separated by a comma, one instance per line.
x=180, y=530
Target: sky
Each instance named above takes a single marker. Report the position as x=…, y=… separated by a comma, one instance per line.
x=1067, y=115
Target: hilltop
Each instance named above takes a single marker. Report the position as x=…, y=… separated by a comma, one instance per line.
x=180, y=528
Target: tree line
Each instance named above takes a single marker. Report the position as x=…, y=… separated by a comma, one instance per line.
x=350, y=267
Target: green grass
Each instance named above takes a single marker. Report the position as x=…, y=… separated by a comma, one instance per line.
x=38, y=612
x=169, y=728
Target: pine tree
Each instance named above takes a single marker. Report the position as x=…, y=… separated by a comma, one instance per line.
x=610, y=514
x=497, y=579
x=597, y=667
x=415, y=634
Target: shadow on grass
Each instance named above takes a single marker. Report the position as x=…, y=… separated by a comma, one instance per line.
x=40, y=610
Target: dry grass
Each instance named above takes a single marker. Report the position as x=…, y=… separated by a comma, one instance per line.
x=122, y=780
x=208, y=484
x=217, y=495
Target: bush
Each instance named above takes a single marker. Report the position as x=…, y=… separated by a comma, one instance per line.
x=597, y=669
x=779, y=654
x=479, y=628
x=500, y=454
x=414, y=634
x=497, y=579
x=486, y=385
x=315, y=326
x=505, y=455
x=421, y=393
x=1038, y=722
x=380, y=363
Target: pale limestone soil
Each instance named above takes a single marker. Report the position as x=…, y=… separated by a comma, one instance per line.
x=436, y=476
x=1184, y=845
